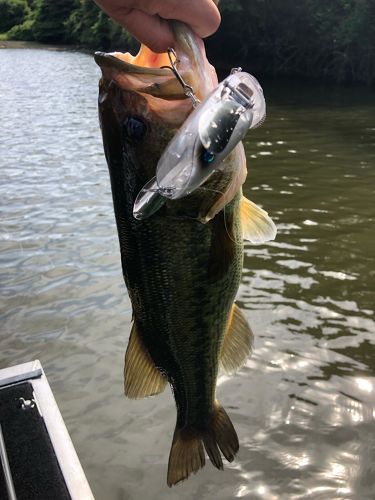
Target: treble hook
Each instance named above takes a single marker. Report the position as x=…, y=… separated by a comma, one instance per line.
x=188, y=89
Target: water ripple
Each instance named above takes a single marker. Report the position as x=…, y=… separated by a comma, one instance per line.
x=304, y=405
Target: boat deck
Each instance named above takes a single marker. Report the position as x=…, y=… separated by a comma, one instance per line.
x=38, y=458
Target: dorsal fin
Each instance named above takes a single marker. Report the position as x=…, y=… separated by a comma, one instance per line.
x=237, y=343
x=257, y=226
x=141, y=377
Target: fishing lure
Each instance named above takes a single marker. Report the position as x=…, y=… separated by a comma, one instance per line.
x=204, y=140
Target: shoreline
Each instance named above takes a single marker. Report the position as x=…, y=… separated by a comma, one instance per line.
x=222, y=67
x=23, y=44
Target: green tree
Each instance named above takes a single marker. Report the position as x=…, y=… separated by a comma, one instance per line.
x=89, y=26
x=12, y=12
x=333, y=40
x=50, y=18
x=80, y=22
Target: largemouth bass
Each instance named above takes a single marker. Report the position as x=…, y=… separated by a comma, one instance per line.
x=182, y=266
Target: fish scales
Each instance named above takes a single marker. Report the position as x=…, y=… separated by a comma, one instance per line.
x=167, y=259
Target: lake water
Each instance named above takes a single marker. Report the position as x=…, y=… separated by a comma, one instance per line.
x=304, y=405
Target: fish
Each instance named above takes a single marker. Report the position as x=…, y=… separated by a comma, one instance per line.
x=182, y=266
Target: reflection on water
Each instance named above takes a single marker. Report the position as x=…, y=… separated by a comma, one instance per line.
x=304, y=405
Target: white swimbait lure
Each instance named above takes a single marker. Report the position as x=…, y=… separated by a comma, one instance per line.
x=204, y=140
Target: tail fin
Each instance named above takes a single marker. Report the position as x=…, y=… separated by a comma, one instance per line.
x=187, y=455
x=224, y=433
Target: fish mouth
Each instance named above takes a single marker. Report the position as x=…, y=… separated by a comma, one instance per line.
x=120, y=61
x=146, y=72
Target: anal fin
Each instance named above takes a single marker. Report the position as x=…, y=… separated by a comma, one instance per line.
x=141, y=376
x=257, y=226
x=237, y=343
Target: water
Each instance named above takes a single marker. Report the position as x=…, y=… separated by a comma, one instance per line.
x=304, y=405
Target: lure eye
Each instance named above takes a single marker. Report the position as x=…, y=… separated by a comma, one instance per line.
x=207, y=156
x=134, y=128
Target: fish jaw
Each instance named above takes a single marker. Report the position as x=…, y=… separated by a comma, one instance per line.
x=142, y=73
x=156, y=86
x=192, y=61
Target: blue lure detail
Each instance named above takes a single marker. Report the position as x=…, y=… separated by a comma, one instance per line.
x=207, y=157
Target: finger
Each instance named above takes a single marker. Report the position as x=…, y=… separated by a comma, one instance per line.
x=201, y=15
x=145, y=18
x=149, y=30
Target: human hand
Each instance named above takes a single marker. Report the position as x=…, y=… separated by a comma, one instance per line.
x=147, y=20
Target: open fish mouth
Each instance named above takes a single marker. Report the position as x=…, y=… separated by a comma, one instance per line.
x=121, y=62
x=147, y=73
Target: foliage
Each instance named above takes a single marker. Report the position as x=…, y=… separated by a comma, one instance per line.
x=333, y=39
x=50, y=18
x=89, y=26
x=22, y=31
x=84, y=23
x=12, y=12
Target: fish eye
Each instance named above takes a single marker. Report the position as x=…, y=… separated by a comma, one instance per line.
x=134, y=128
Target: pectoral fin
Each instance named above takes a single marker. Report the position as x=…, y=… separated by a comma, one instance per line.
x=238, y=341
x=142, y=378
x=257, y=226
x=237, y=158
